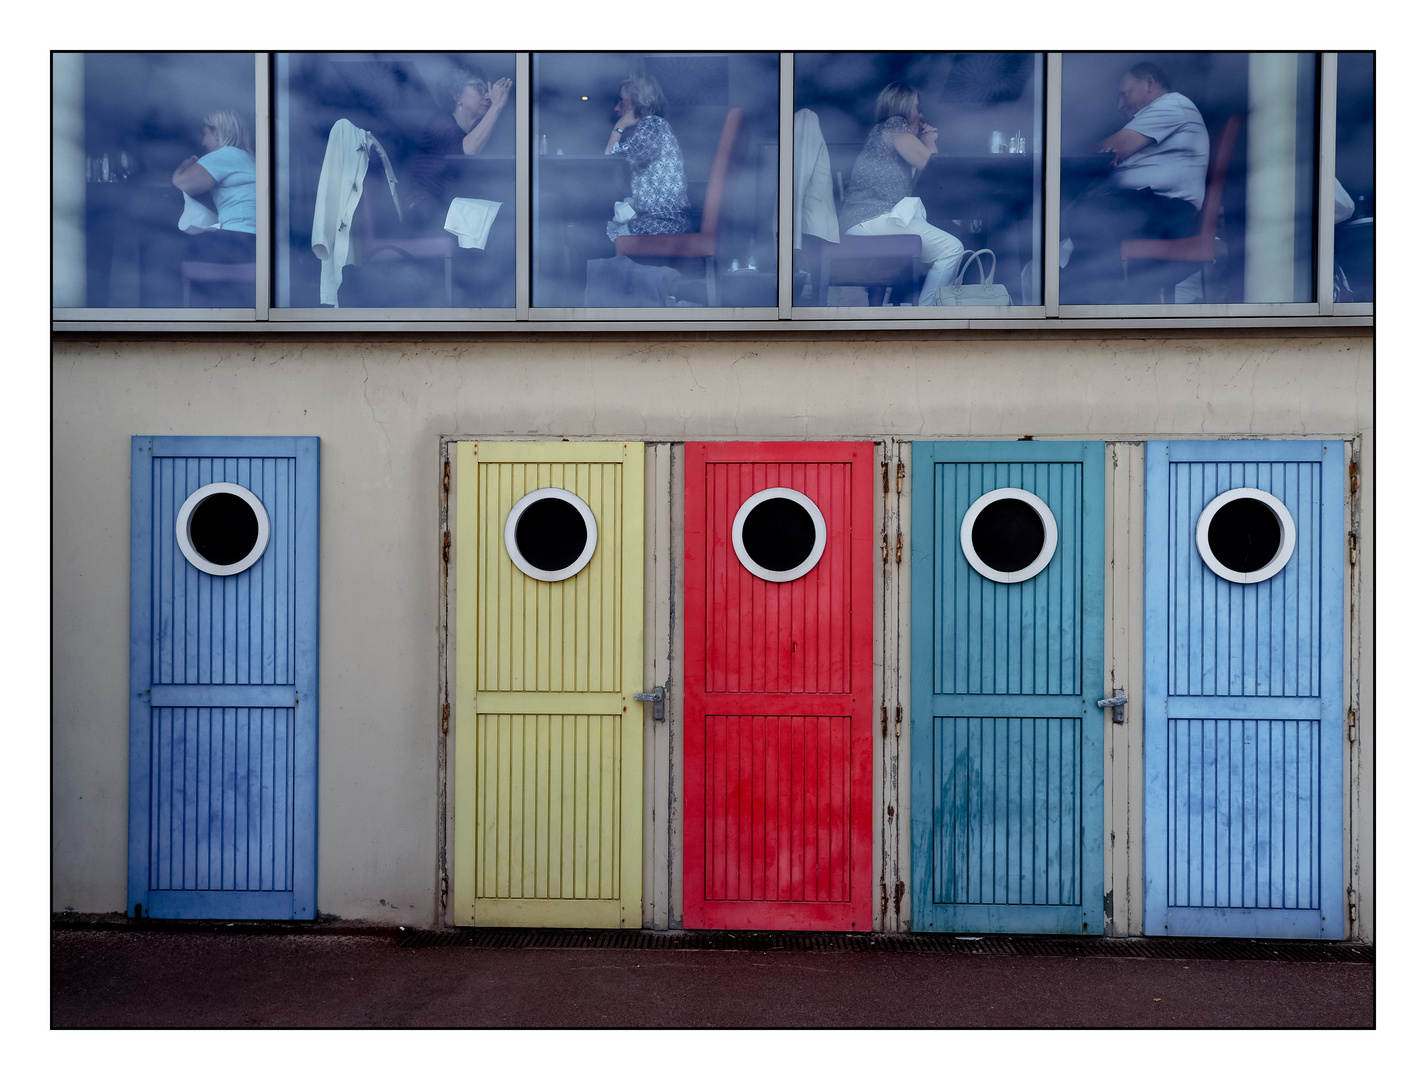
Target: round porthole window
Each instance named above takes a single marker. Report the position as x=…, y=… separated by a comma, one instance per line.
x=779, y=534
x=222, y=529
x=550, y=534
x=1009, y=535
x=1246, y=535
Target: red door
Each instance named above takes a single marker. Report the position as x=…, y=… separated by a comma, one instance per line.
x=778, y=686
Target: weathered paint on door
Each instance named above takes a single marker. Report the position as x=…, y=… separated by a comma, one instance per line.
x=548, y=736
x=1243, y=724
x=1007, y=770
x=223, y=689
x=778, y=698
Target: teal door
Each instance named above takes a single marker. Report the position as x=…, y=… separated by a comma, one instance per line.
x=1243, y=657
x=1007, y=657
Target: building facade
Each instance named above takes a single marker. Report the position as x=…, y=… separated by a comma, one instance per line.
x=877, y=572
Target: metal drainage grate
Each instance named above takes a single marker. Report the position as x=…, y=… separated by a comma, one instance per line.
x=1331, y=952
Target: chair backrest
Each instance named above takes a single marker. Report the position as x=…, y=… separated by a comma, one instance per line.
x=1220, y=152
x=724, y=163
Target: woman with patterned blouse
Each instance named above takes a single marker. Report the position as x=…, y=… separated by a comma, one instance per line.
x=660, y=193
x=878, y=200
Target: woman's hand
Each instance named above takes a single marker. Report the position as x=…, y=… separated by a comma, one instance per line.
x=500, y=93
x=929, y=135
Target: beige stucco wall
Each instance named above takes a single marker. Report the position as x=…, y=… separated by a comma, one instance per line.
x=380, y=408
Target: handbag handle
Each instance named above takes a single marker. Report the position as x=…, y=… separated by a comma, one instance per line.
x=985, y=279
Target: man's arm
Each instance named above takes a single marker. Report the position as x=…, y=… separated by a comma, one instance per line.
x=1124, y=142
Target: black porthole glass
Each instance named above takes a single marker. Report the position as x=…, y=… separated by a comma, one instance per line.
x=223, y=528
x=551, y=534
x=1008, y=535
x=779, y=534
x=1244, y=535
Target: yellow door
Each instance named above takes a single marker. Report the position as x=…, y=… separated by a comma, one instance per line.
x=549, y=655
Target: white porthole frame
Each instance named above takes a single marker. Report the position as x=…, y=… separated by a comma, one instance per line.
x=1047, y=550
x=185, y=541
x=1285, y=547
x=591, y=531
x=819, y=528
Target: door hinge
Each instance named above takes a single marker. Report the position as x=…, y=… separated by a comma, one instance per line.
x=885, y=478
x=445, y=890
x=885, y=547
x=446, y=548
x=1351, y=725
x=900, y=892
x=1351, y=909
x=1352, y=473
x=900, y=475
x=898, y=547
x=883, y=898
x=1352, y=547
x=898, y=721
x=446, y=476
x=445, y=718
x=883, y=721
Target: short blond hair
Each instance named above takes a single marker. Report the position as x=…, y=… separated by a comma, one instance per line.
x=230, y=129
x=895, y=99
x=646, y=95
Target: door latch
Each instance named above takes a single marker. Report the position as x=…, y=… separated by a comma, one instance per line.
x=1117, y=703
x=656, y=696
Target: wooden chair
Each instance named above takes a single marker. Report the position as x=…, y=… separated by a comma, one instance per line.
x=374, y=234
x=704, y=243
x=1198, y=248
x=875, y=263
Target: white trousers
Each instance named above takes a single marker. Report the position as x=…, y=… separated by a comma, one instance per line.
x=938, y=247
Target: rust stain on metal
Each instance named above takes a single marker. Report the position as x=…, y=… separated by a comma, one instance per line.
x=445, y=718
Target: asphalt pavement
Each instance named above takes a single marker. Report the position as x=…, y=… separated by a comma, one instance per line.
x=251, y=977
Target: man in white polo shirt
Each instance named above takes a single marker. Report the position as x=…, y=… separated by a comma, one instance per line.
x=1160, y=159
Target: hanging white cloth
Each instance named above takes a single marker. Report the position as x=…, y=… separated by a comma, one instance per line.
x=469, y=221
x=813, y=209
x=339, y=189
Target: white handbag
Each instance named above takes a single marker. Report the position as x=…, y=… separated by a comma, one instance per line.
x=985, y=293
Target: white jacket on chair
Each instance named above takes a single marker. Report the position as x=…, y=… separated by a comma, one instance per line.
x=813, y=210
x=338, y=191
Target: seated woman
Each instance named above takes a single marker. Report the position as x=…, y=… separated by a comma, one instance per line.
x=227, y=175
x=878, y=200
x=465, y=130
x=660, y=192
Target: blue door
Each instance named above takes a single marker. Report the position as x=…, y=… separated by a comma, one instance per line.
x=1007, y=658
x=223, y=678
x=1243, y=640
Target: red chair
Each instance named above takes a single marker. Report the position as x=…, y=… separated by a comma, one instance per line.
x=704, y=243
x=1199, y=247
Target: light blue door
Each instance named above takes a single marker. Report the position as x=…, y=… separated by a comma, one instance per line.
x=223, y=678
x=1007, y=657
x=1243, y=660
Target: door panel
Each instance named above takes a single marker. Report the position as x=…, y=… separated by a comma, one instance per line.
x=1243, y=700
x=223, y=677
x=1006, y=738
x=777, y=740
x=548, y=736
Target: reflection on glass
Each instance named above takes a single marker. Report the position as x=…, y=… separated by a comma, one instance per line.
x=154, y=180
x=395, y=180
x=902, y=161
x=1187, y=178
x=1353, y=278
x=655, y=180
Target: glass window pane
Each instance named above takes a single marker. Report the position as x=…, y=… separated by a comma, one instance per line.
x=927, y=155
x=154, y=180
x=1356, y=176
x=395, y=180
x=1146, y=218
x=677, y=209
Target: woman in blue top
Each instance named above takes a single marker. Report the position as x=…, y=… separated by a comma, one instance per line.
x=226, y=174
x=879, y=202
x=660, y=193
